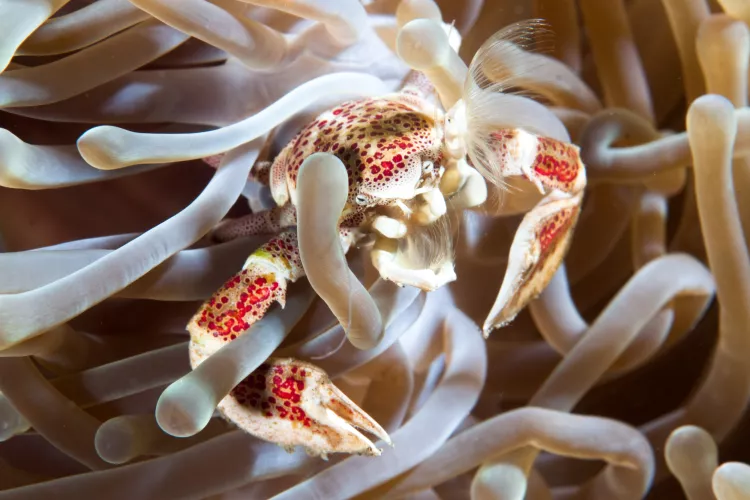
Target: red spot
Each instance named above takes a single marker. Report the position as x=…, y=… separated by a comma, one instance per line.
x=554, y=228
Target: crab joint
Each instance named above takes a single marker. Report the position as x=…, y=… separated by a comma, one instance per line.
x=389, y=227
x=385, y=258
x=431, y=207
x=246, y=297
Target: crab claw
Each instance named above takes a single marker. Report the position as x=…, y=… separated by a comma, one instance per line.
x=294, y=403
x=542, y=239
x=246, y=297
x=538, y=249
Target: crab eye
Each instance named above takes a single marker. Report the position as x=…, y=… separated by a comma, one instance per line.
x=360, y=199
x=428, y=166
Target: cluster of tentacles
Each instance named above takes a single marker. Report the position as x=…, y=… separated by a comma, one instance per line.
x=621, y=374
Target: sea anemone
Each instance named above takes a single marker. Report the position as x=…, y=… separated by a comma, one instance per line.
x=627, y=377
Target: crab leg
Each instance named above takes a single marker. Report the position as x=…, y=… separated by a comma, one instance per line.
x=258, y=181
x=246, y=297
x=260, y=172
x=542, y=239
x=265, y=222
x=285, y=401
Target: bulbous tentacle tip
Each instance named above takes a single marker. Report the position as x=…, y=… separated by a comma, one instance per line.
x=293, y=403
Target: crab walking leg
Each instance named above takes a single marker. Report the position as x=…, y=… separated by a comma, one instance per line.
x=542, y=239
x=284, y=401
x=265, y=222
x=259, y=172
x=257, y=182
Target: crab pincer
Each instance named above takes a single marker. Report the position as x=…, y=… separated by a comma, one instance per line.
x=543, y=237
x=528, y=149
x=285, y=401
x=291, y=402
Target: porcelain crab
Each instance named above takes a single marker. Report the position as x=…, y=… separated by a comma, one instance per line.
x=407, y=162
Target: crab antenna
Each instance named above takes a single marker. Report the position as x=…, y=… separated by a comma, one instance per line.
x=423, y=44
